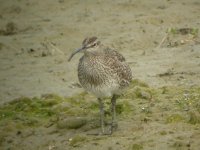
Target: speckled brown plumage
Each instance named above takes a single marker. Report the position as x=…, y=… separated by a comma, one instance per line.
x=103, y=72
x=97, y=70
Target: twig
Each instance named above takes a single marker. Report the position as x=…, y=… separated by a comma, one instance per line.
x=50, y=46
x=163, y=40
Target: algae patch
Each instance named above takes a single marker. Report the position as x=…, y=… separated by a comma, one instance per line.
x=140, y=103
x=124, y=107
x=28, y=107
x=194, y=118
x=174, y=118
x=137, y=147
x=76, y=140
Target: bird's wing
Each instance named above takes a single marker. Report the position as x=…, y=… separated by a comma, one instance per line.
x=115, y=54
x=121, y=68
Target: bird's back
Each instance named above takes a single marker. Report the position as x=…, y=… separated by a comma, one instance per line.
x=114, y=54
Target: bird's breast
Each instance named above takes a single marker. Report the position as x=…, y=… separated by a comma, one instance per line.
x=103, y=75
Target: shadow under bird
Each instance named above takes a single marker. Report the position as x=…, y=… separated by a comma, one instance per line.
x=103, y=72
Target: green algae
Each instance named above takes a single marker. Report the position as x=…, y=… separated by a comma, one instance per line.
x=2, y=137
x=140, y=90
x=82, y=104
x=137, y=147
x=137, y=82
x=174, y=118
x=163, y=133
x=27, y=107
x=141, y=99
x=194, y=118
x=183, y=31
x=78, y=99
x=29, y=112
x=76, y=140
x=142, y=93
x=188, y=99
x=124, y=107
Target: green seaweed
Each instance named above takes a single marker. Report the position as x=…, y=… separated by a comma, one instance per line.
x=174, y=118
x=183, y=31
x=26, y=112
x=78, y=99
x=76, y=140
x=137, y=82
x=163, y=132
x=29, y=111
x=194, y=118
x=124, y=107
x=137, y=147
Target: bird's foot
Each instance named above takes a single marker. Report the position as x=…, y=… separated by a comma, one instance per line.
x=113, y=127
x=100, y=133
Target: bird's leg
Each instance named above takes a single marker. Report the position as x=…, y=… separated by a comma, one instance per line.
x=113, y=112
x=101, y=107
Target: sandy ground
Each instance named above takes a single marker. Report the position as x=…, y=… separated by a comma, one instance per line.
x=36, y=38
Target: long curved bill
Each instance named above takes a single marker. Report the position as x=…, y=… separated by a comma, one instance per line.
x=76, y=51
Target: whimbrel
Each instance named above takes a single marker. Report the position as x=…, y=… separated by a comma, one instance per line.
x=103, y=72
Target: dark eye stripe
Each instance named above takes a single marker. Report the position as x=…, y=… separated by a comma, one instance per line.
x=87, y=41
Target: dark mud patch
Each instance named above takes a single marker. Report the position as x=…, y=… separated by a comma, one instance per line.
x=10, y=29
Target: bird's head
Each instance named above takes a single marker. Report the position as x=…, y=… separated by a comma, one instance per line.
x=88, y=43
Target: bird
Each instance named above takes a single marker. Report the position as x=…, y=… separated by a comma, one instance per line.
x=104, y=72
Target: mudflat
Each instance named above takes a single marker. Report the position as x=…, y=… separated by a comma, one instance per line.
x=42, y=104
